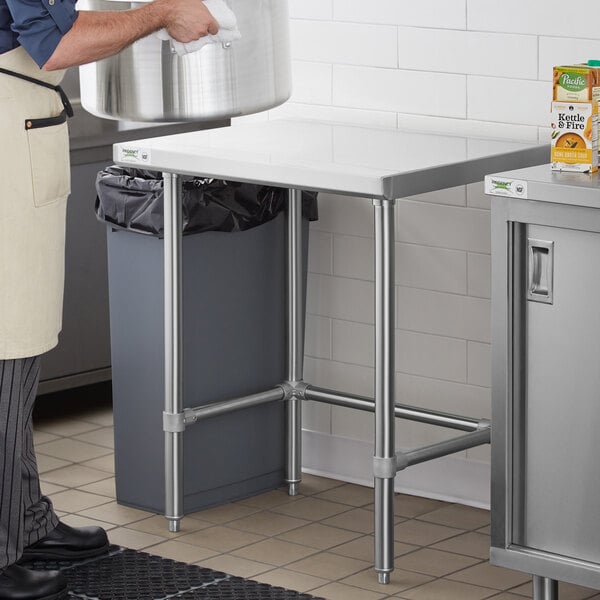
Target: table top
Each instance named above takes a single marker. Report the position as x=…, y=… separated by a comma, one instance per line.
x=541, y=183
x=91, y=138
x=337, y=158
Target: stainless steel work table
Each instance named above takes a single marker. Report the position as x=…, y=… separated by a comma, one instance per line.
x=382, y=165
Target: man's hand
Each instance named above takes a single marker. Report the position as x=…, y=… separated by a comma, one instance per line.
x=188, y=20
x=96, y=35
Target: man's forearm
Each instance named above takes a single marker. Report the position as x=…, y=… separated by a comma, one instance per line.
x=96, y=35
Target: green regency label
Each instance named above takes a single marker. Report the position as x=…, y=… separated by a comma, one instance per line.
x=128, y=154
x=500, y=186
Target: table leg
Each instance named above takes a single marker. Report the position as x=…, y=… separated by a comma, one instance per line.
x=385, y=446
x=295, y=338
x=544, y=588
x=173, y=229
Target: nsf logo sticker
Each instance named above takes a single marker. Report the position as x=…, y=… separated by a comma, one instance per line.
x=498, y=186
x=131, y=154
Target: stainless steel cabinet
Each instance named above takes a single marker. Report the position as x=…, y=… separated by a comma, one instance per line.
x=546, y=377
x=561, y=412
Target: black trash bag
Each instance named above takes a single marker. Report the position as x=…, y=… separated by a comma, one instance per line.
x=133, y=199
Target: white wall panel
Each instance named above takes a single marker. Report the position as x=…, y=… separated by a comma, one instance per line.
x=320, y=252
x=470, y=52
x=353, y=257
x=318, y=337
x=479, y=364
x=448, y=396
x=556, y=51
x=440, y=94
x=340, y=298
x=312, y=82
x=479, y=275
x=425, y=13
x=443, y=226
x=535, y=17
x=345, y=43
x=311, y=9
x=352, y=379
x=487, y=129
x=476, y=197
x=316, y=416
x=353, y=424
x=336, y=114
x=456, y=196
x=345, y=214
x=430, y=268
x=450, y=315
x=431, y=356
x=509, y=100
x=353, y=343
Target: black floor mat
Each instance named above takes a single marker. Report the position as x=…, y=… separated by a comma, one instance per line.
x=125, y=574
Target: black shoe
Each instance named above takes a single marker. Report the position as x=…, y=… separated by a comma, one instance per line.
x=68, y=543
x=18, y=583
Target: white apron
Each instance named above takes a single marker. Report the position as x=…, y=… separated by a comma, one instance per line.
x=34, y=185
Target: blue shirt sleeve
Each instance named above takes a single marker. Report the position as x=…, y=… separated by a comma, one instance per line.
x=41, y=24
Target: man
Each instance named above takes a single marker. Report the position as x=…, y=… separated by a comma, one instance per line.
x=38, y=39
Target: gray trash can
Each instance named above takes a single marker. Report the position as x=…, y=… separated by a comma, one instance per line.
x=234, y=345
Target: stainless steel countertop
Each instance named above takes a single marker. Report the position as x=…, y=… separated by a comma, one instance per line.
x=543, y=184
x=371, y=162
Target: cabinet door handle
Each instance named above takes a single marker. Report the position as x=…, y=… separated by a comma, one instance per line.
x=540, y=286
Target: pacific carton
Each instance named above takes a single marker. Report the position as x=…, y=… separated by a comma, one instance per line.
x=576, y=83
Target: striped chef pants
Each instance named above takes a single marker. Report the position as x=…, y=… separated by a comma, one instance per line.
x=25, y=515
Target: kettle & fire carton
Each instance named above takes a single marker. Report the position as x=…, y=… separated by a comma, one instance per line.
x=574, y=144
x=576, y=94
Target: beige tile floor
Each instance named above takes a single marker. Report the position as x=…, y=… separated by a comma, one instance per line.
x=320, y=542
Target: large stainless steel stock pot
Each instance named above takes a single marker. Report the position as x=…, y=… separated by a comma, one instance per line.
x=149, y=82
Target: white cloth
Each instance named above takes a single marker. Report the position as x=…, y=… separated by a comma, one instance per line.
x=228, y=30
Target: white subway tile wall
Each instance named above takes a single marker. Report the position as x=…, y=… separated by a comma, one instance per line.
x=320, y=253
x=312, y=82
x=509, y=100
x=312, y=9
x=479, y=275
x=353, y=116
x=537, y=17
x=505, y=55
x=437, y=94
x=480, y=67
x=338, y=43
x=559, y=50
x=426, y=13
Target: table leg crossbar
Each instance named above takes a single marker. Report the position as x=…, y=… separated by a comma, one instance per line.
x=402, y=411
x=386, y=462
